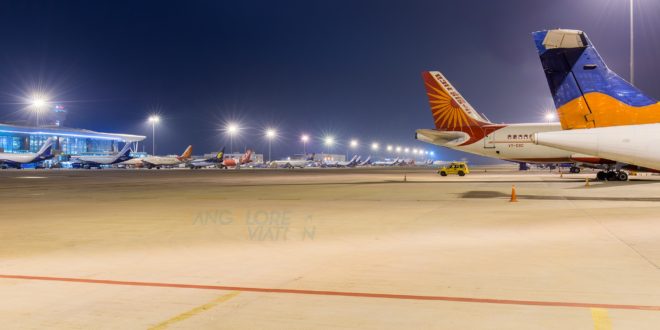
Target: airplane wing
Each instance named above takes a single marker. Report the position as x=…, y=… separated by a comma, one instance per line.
x=440, y=137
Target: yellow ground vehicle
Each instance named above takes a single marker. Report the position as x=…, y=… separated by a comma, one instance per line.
x=459, y=168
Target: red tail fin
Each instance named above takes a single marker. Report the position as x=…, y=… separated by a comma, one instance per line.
x=450, y=110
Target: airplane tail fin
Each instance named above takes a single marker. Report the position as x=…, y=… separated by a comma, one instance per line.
x=310, y=158
x=585, y=91
x=246, y=157
x=186, y=153
x=220, y=156
x=451, y=112
x=125, y=151
x=47, y=148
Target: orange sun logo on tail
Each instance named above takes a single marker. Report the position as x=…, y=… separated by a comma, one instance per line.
x=450, y=110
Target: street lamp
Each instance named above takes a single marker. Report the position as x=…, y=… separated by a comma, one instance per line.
x=232, y=129
x=304, y=138
x=38, y=103
x=353, y=144
x=153, y=119
x=328, y=141
x=549, y=117
x=398, y=149
x=390, y=148
x=375, y=146
x=271, y=133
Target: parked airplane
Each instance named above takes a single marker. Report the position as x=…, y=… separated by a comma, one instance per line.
x=601, y=113
x=166, y=161
x=365, y=162
x=292, y=163
x=350, y=163
x=206, y=162
x=97, y=161
x=231, y=162
x=458, y=126
x=387, y=162
x=16, y=160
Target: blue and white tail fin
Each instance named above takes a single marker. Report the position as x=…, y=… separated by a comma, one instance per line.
x=46, y=149
x=585, y=91
x=124, y=154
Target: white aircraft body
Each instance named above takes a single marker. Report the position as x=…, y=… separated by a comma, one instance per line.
x=292, y=163
x=15, y=160
x=166, y=161
x=386, y=162
x=93, y=161
x=601, y=113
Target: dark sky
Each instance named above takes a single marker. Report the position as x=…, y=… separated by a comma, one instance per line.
x=349, y=68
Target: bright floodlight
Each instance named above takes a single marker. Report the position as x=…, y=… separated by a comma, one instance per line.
x=406, y=150
x=304, y=138
x=232, y=128
x=271, y=133
x=154, y=119
x=329, y=140
x=389, y=148
x=38, y=101
x=432, y=153
x=414, y=151
x=375, y=146
x=549, y=116
x=398, y=149
x=354, y=143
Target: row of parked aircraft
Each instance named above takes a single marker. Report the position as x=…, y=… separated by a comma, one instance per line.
x=605, y=122
x=123, y=158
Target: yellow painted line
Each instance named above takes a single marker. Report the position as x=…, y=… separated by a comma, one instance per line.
x=194, y=311
x=601, y=320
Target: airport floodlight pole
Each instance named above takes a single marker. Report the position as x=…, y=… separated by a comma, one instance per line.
x=632, y=45
x=328, y=141
x=390, y=148
x=270, y=135
x=304, y=138
x=232, y=129
x=153, y=119
x=549, y=117
x=375, y=146
x=353, y=145
x=38, y=103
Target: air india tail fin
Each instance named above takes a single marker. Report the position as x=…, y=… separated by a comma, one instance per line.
x=450, y=110
x=246, y=157
x=186, y=153
x=585, y=91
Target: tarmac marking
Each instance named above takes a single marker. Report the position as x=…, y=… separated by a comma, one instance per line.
x=601, y=320
x=340, y=293
x=186, y=315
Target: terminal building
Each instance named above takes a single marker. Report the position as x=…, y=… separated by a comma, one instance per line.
x=22, y=137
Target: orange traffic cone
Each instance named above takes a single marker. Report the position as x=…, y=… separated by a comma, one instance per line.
x=513, y=194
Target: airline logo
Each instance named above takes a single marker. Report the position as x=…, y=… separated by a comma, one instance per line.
x=450, y=110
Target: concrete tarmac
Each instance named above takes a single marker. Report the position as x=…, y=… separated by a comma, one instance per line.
x=327, y=248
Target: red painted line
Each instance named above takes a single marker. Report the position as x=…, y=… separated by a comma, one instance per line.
x=339, y=293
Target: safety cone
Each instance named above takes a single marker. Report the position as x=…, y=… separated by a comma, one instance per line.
x=586, y=183
x=513, y=194
x=405, y=179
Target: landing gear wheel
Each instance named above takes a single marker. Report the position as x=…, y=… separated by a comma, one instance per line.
x=622, y=176
x=601, y=175
x=575, y=170
x=611, y=176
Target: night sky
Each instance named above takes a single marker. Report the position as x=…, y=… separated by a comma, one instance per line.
x=347, y=68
